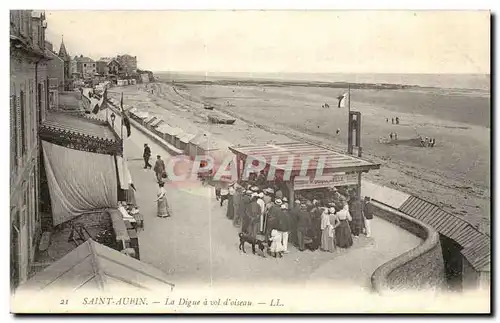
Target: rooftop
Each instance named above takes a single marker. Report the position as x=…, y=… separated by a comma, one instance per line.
x=78, y=124
x=334, y=161
x=94, y=266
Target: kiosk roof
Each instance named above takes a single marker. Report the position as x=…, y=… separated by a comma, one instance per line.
x=334, y=161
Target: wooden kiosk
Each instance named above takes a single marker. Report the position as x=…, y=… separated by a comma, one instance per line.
x=337, y=169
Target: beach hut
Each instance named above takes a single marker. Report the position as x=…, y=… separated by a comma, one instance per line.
x=184, y=141
x=162, y=131
x=157, y=122
x=201, y=144
x=171, y=133
x=149, y=122
x=148, y=119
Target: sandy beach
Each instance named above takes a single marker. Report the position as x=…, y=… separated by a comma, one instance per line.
x=454, y=174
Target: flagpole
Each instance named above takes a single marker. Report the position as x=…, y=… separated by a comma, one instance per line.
x=121, y=128
x=349, y=139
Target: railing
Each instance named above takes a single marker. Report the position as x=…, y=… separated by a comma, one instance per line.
x=75, y=140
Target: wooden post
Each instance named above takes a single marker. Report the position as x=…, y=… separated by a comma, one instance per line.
x=291, y=193
x=359, y=185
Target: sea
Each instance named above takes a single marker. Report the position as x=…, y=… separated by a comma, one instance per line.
x=444, y=81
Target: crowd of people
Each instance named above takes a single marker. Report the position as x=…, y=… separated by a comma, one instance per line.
x=324, y=219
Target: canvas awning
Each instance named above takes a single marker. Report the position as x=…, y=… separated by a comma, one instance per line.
x=124, y=176
x=93, y=267
x=74, y=189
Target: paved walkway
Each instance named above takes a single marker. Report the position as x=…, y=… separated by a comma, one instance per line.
x=198, y=245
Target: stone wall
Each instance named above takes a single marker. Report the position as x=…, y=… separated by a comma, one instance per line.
x=417, y=269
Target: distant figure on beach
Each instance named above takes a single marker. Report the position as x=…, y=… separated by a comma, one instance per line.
x=390, y=135
x=397, y=120
x=387, y=120
x=338, y=131
x=392, y=120
x=159, y=168
x=426, y=141
x=432, y=142
x=146, y=155
x=395, y=136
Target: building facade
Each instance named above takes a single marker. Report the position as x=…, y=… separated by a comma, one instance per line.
x=56, y=70
x=86, y=66
x=128, y=63
x=114, y=67
x=28, y=105
x=102, y=67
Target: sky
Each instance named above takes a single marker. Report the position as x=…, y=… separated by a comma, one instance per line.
x=429, y=42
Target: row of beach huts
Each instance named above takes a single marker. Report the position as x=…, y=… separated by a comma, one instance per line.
x=191, y=144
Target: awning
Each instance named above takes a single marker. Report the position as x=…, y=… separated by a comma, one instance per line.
x=79, y=181
x=94, y=267
x=123, y=173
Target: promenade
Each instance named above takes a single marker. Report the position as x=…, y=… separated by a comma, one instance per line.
x=198, y=245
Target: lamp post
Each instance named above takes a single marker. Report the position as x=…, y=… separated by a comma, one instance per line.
x=113, y=120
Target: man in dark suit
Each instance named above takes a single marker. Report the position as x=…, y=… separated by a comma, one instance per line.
x=146, y=155
x=304, y=222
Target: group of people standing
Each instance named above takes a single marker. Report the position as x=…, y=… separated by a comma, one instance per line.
x=326, y=222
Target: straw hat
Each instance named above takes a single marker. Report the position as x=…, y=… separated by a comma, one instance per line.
x=285, y=199
x=261, y=195
x=278, y=202
x=283, y=206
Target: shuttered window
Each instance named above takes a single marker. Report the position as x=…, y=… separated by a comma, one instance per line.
x=29, y=119
x=13, y=132
x=22, y=122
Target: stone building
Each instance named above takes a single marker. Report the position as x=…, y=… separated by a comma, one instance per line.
x=56, y=70
x=63, y=54
x=85, y=66
x=28, y=105
x=128, y=63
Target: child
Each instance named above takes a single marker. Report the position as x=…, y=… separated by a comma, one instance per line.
x=276, y=245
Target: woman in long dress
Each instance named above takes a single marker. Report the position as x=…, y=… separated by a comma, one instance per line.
x=230, y=204
x=163, y=210
x=343, y=235
x=325, y=224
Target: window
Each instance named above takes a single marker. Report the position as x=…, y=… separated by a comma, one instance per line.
x=13, y=131
x=22, y=99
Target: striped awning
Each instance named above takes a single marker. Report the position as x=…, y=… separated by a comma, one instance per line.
x=280, y=154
